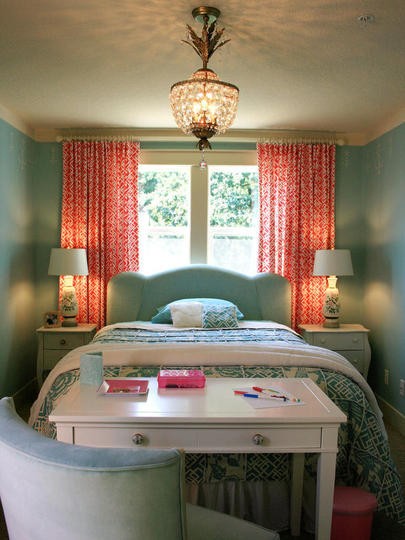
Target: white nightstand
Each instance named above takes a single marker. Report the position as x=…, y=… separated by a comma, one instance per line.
x=54, y=343
x=350, y=340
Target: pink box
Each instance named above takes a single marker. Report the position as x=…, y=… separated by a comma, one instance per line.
x=181, y=378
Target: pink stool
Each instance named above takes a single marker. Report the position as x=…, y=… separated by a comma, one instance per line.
x=352, y=513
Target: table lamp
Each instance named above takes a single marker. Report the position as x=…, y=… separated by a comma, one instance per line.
x=68, y=263
x=332, y=263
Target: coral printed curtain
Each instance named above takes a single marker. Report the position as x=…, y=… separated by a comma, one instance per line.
x=297, y=200
x=100, y=214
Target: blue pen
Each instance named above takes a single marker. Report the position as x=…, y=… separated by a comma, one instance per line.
x=261, y=396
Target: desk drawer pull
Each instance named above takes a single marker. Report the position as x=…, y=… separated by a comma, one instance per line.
x=258, y=439
x=138, y=439
x=62, y=342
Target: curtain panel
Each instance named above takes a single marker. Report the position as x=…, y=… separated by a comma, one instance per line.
x=100, y=214
x=297, y=217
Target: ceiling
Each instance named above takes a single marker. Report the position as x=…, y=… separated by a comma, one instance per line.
x=299, y=65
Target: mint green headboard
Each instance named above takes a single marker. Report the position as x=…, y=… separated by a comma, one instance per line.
x=132, y=296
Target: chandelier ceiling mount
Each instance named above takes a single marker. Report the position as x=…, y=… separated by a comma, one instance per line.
x=203, y=105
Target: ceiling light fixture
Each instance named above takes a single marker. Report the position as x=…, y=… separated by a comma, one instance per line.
x=203, y=105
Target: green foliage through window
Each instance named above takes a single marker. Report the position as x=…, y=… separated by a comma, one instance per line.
x=163, y=194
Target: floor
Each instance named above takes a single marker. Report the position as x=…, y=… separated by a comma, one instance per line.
x=383, y=528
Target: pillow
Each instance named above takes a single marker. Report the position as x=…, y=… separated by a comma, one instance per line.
x=187, y=314
x=163, y=315
x=219, y=317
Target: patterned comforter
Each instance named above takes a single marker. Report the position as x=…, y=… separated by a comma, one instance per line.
x=255, y=350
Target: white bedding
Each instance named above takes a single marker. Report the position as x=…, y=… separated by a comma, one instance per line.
x=192, y=354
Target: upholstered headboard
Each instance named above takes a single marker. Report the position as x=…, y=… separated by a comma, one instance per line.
x=132, y=296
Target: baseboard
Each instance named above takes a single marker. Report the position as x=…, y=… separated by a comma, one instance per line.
x=26, y=395
x=393, y=417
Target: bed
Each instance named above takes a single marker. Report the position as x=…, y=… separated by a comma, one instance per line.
x=259, y=344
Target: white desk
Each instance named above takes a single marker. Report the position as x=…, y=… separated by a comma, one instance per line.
x=214, y=420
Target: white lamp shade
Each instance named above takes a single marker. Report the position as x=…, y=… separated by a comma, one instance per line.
x=68, y=262
x=333, y=262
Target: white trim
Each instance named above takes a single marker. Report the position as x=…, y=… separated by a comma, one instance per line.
x=393, y=122
x=193, y=157
x=393, y=417
x=199, y=215
x=16, y=122
x=168, y=134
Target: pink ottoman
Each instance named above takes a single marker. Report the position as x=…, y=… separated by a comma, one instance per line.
x=352, y=513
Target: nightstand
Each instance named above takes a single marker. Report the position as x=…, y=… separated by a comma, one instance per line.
x=54, y=343
x=350, y=340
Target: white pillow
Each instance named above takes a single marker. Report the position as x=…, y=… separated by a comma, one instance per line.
x=187, y=314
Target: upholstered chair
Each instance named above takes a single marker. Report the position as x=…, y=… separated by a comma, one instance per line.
x=55, y=490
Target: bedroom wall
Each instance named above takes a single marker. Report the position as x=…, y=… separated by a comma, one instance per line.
x=17, y=273
x=350, y=229
x=383, y=171
x=48, y=205
x=370, y=220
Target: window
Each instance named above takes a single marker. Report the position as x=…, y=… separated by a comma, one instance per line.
x=233, y=215
x=164, y=217
x=192, y=215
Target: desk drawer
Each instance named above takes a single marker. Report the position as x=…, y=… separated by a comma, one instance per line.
x=63, y=340
x=340, y=341
x=210, y=439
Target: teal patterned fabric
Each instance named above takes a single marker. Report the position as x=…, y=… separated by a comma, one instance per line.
x=141, y=335
x=363, y=459
x=219, y=317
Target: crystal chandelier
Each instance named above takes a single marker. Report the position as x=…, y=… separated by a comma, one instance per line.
x=203, y=105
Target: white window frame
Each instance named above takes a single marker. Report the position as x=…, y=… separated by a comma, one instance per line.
x=199, y=187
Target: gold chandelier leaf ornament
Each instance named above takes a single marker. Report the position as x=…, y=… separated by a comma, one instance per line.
x=203, y=105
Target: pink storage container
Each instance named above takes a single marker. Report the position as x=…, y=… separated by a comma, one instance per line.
x=352, y=517
x=181, y=378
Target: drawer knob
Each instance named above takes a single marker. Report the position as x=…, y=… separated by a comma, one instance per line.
x=355, y=340
x=138, y=439
x=323, y=340
x=258, y=439
x=62, y=341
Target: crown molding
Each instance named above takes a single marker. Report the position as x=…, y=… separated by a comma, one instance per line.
x=390, y=123
x=168, y=134
x=15, y=121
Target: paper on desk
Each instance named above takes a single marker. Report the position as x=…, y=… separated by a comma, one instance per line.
x=261, y=403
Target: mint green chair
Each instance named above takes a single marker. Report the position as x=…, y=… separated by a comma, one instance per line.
x=50, y=489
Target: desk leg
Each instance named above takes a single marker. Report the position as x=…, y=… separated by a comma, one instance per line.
x=324, y=495
x=297, y=479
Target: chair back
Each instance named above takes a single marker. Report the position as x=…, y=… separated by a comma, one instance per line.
x=50, y=489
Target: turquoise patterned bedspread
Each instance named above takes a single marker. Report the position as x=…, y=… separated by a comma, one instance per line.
x=218, y=335
x=363, y=459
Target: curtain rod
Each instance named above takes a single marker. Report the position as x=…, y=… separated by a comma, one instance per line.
x=302, y=140
x=100, y=138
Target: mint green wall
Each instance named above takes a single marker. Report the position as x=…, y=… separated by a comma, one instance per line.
x=48, y=205
x=370, y=220
x=350, y=229
x=17, y=275
x=383, y=170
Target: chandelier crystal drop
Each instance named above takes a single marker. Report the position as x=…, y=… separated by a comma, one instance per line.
x=203, y=105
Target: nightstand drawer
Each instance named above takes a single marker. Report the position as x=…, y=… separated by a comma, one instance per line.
x=52, y=357
x=356, y=358
x=59, y=340
x=340, y=341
